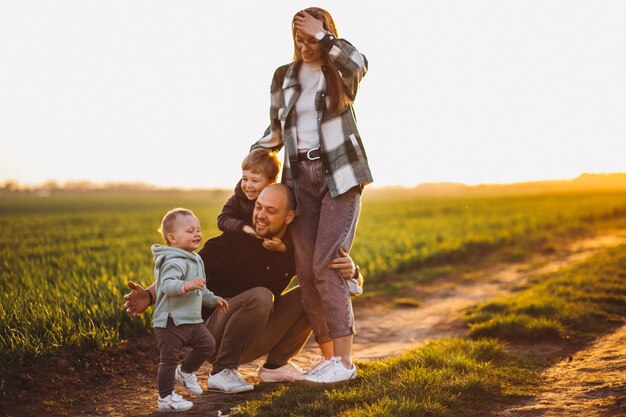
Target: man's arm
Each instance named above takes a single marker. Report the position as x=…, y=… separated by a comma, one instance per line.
x=140, y=298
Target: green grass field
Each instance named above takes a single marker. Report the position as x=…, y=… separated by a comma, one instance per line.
x=64, y=259
x=465, y=377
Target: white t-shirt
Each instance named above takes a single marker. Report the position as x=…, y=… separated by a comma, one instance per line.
x=310, y=76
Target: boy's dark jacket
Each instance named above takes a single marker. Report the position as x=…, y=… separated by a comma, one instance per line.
x=236, y=213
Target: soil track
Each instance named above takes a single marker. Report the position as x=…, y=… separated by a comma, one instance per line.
x=591, y=383
x=122, y=383
x=383, y=332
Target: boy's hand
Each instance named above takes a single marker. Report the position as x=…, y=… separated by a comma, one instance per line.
x=221, y=305
x=194, y=284
x=274, y=244
x=137, y=301
x=343, y=264
x=247, y=229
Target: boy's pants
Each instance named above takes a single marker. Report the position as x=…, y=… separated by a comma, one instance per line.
x=255, y=325
x=170, y=341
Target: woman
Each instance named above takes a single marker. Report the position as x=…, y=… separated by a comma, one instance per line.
x=326, y=166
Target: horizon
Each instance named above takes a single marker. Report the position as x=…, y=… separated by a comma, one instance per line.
x=86, y=185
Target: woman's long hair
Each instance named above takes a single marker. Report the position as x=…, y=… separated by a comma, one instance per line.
x=335, y=89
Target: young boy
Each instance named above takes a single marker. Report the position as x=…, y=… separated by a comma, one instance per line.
x=180, y=294
x=260, y=169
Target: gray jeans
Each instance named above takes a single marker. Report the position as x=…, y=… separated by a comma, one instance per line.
x=323, y=226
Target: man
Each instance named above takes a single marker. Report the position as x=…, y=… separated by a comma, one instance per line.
x=261, y=318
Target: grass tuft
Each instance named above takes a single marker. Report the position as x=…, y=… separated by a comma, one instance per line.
x=436, y=380
x=579, y=302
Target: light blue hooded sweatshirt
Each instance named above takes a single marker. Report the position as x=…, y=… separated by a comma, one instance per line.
x=172, y=267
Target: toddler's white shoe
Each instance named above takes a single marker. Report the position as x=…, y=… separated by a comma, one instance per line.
x=328, y=373
x=173, y=403
x=188, y=381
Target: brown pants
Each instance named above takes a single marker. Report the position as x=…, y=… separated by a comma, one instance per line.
x=255, y=325
x=170, y=341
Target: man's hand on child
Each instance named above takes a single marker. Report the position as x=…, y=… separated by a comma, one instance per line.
x=250, y=231
x=221, y=305
x=138, y=300
x=274, y=244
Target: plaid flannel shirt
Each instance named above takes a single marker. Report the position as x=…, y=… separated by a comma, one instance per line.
x=342, y=153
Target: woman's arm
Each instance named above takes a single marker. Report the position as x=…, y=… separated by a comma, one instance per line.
x=272, y=138
x=352, y=65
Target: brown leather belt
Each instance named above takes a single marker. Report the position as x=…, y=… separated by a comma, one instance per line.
x=310, y=155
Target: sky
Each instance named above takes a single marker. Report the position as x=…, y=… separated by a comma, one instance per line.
x=173, y=93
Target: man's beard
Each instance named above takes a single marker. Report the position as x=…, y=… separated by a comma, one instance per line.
x=268, y=233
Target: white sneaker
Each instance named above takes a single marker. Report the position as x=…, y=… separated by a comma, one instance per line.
x=173, y=402
x=228, y=381
x=188, y=381
x=329, y=373
x=316, y=363
x=286, y=373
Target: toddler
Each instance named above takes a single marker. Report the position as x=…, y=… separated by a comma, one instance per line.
x=180, y=294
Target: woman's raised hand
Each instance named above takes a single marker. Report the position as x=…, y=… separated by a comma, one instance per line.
x=307, y=24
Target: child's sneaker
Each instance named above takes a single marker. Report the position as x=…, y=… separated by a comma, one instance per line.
x=188, y=381
x=173, y=402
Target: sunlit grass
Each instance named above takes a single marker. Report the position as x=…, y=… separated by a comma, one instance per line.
x=578, y=302
x=465, y=377
x=438, y=379
x=64, y=260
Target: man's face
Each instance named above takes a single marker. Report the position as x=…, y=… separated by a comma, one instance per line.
x=271, y=216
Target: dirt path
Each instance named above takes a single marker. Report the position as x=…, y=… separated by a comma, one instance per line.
x=592, y=383
x=125, y=386
x=384, y=332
